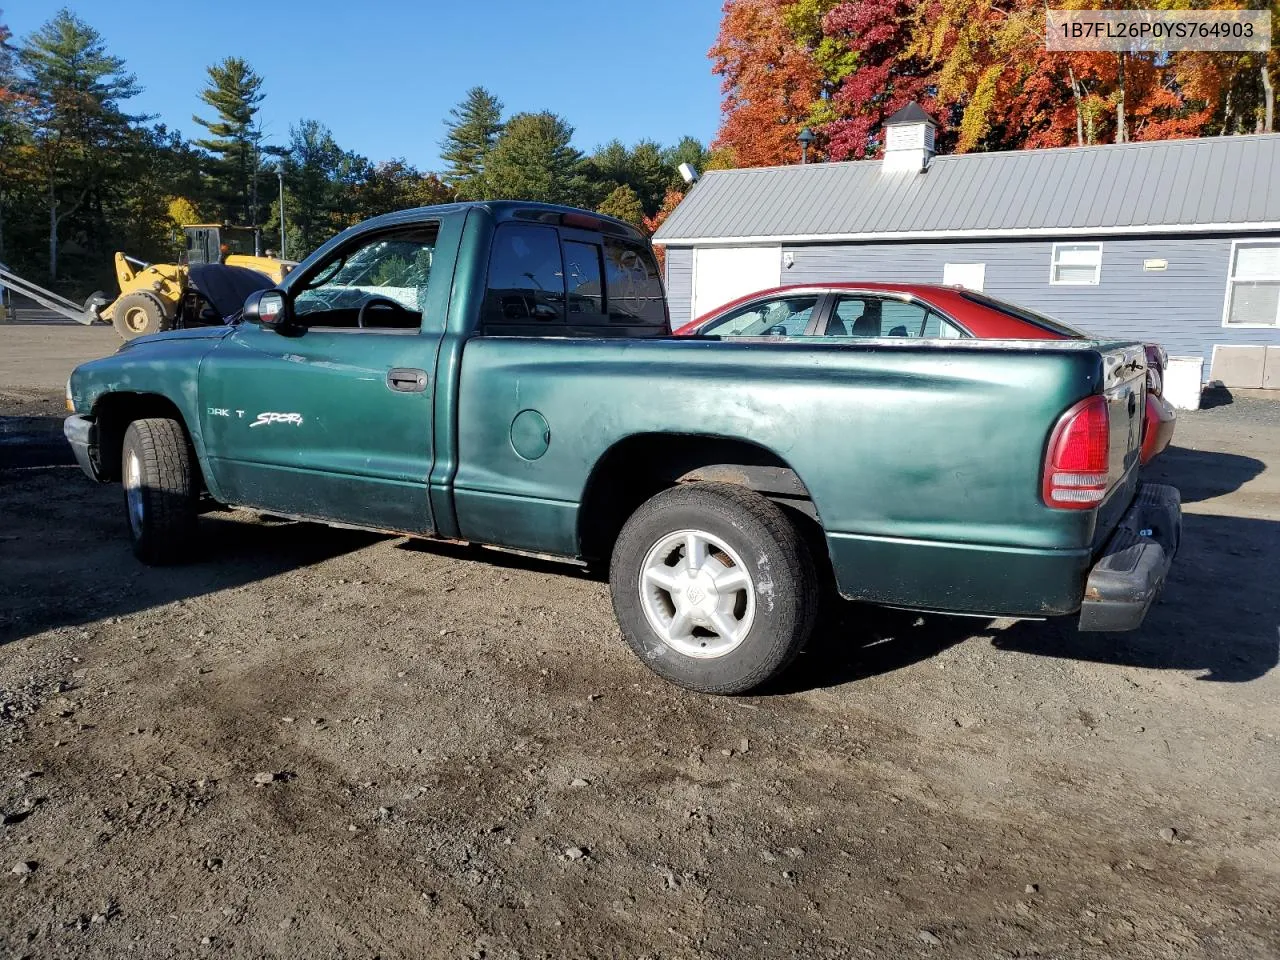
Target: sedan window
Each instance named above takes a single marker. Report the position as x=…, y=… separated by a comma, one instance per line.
x=870, y=316
x=777, y=317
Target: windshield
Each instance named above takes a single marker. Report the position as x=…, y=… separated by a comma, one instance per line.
x=1033, y=317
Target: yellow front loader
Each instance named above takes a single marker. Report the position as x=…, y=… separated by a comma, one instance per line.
x=221, y=268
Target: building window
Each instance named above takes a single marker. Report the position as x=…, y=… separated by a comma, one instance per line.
x=1253, y=285
x=1076, y=263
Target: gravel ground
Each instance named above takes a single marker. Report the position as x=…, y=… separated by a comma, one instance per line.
x=329, y=744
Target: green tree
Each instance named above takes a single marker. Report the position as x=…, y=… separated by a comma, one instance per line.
x=234, y=92
x=312, y=167
x=624, y=204
x=643, y=168
x=473, y=129
x=10, y=129
x=533, y=160
x=70, y=94
x=396, y=185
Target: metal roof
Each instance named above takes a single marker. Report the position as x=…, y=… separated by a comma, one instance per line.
x=1168, y=186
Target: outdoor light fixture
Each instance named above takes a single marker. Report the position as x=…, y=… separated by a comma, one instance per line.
x=805, y=137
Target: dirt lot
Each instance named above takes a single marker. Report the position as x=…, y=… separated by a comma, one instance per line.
x=465, y=761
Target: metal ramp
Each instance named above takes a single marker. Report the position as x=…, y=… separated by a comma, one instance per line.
x=85, y=313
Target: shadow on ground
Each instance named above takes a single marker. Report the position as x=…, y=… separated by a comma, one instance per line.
x=1220, y=612
x=1202, y=474
x=33, y=442
x=51, y=582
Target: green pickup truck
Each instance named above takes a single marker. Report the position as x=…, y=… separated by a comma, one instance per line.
x=503, y=373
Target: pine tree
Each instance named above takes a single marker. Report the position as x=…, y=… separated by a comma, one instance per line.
x=234, y=91
x=533, y=160
x=643, y=168
x=473, y=130
x=70, y=94
x=310, y=171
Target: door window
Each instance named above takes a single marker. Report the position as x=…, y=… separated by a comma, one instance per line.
x=379, y=284
x=869, y=316
x=776, y=317
x=526, y=277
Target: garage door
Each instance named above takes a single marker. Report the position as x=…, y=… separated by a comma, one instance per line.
x=721, y=274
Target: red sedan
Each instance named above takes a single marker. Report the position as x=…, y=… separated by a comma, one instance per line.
x=914, y=311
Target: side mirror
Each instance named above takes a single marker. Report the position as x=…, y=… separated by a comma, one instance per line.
x=268, y=308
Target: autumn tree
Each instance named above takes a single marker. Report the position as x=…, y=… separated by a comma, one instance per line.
x=769, y=81
x=886, y=78
x=651, y=224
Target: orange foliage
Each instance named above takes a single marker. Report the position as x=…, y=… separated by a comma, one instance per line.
x=651, y=224
x=769, y=83
x=979, y=67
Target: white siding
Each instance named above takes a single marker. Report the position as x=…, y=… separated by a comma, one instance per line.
x=1179, y=307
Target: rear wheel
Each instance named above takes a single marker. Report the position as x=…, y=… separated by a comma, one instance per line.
x=138, y=314
x=161, y=489
x=713, y=587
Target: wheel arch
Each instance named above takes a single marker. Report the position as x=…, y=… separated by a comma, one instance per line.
x=112, y=414
x=639, y=466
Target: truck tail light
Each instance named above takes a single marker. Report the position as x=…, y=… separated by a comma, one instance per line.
x=1076, y=463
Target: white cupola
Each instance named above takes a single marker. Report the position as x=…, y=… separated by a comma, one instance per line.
x=908, y=140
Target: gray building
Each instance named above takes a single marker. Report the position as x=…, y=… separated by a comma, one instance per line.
x=1176, y=242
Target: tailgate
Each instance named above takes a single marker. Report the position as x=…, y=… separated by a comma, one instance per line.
x=1124, y=386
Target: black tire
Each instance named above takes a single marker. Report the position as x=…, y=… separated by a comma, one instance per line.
x=138, y=314
x=784, y=584
x=158, y=465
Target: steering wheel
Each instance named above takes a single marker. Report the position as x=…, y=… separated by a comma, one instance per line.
x=378, y=302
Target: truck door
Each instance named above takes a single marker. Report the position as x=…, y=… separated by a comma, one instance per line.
x=333, y=419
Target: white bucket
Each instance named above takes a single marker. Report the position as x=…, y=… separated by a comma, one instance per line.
x=1182, y=382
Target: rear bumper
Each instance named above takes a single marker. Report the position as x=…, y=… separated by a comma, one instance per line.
x=1131, y=571
x=1158, y=426
x=81, y=433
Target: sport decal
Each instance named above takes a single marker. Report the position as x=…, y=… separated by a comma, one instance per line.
x=264, y=419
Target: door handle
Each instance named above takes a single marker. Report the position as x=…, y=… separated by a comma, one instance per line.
x=407, y=379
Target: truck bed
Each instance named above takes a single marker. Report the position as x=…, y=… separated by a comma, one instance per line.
x=923, y=461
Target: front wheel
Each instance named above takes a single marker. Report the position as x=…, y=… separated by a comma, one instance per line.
x=713, y=587
x=138, y=314
x=161, y=489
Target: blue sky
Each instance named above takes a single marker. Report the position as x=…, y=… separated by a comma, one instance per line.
x=382, y=74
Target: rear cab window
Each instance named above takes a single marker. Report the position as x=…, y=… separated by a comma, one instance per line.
x=547, y=281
